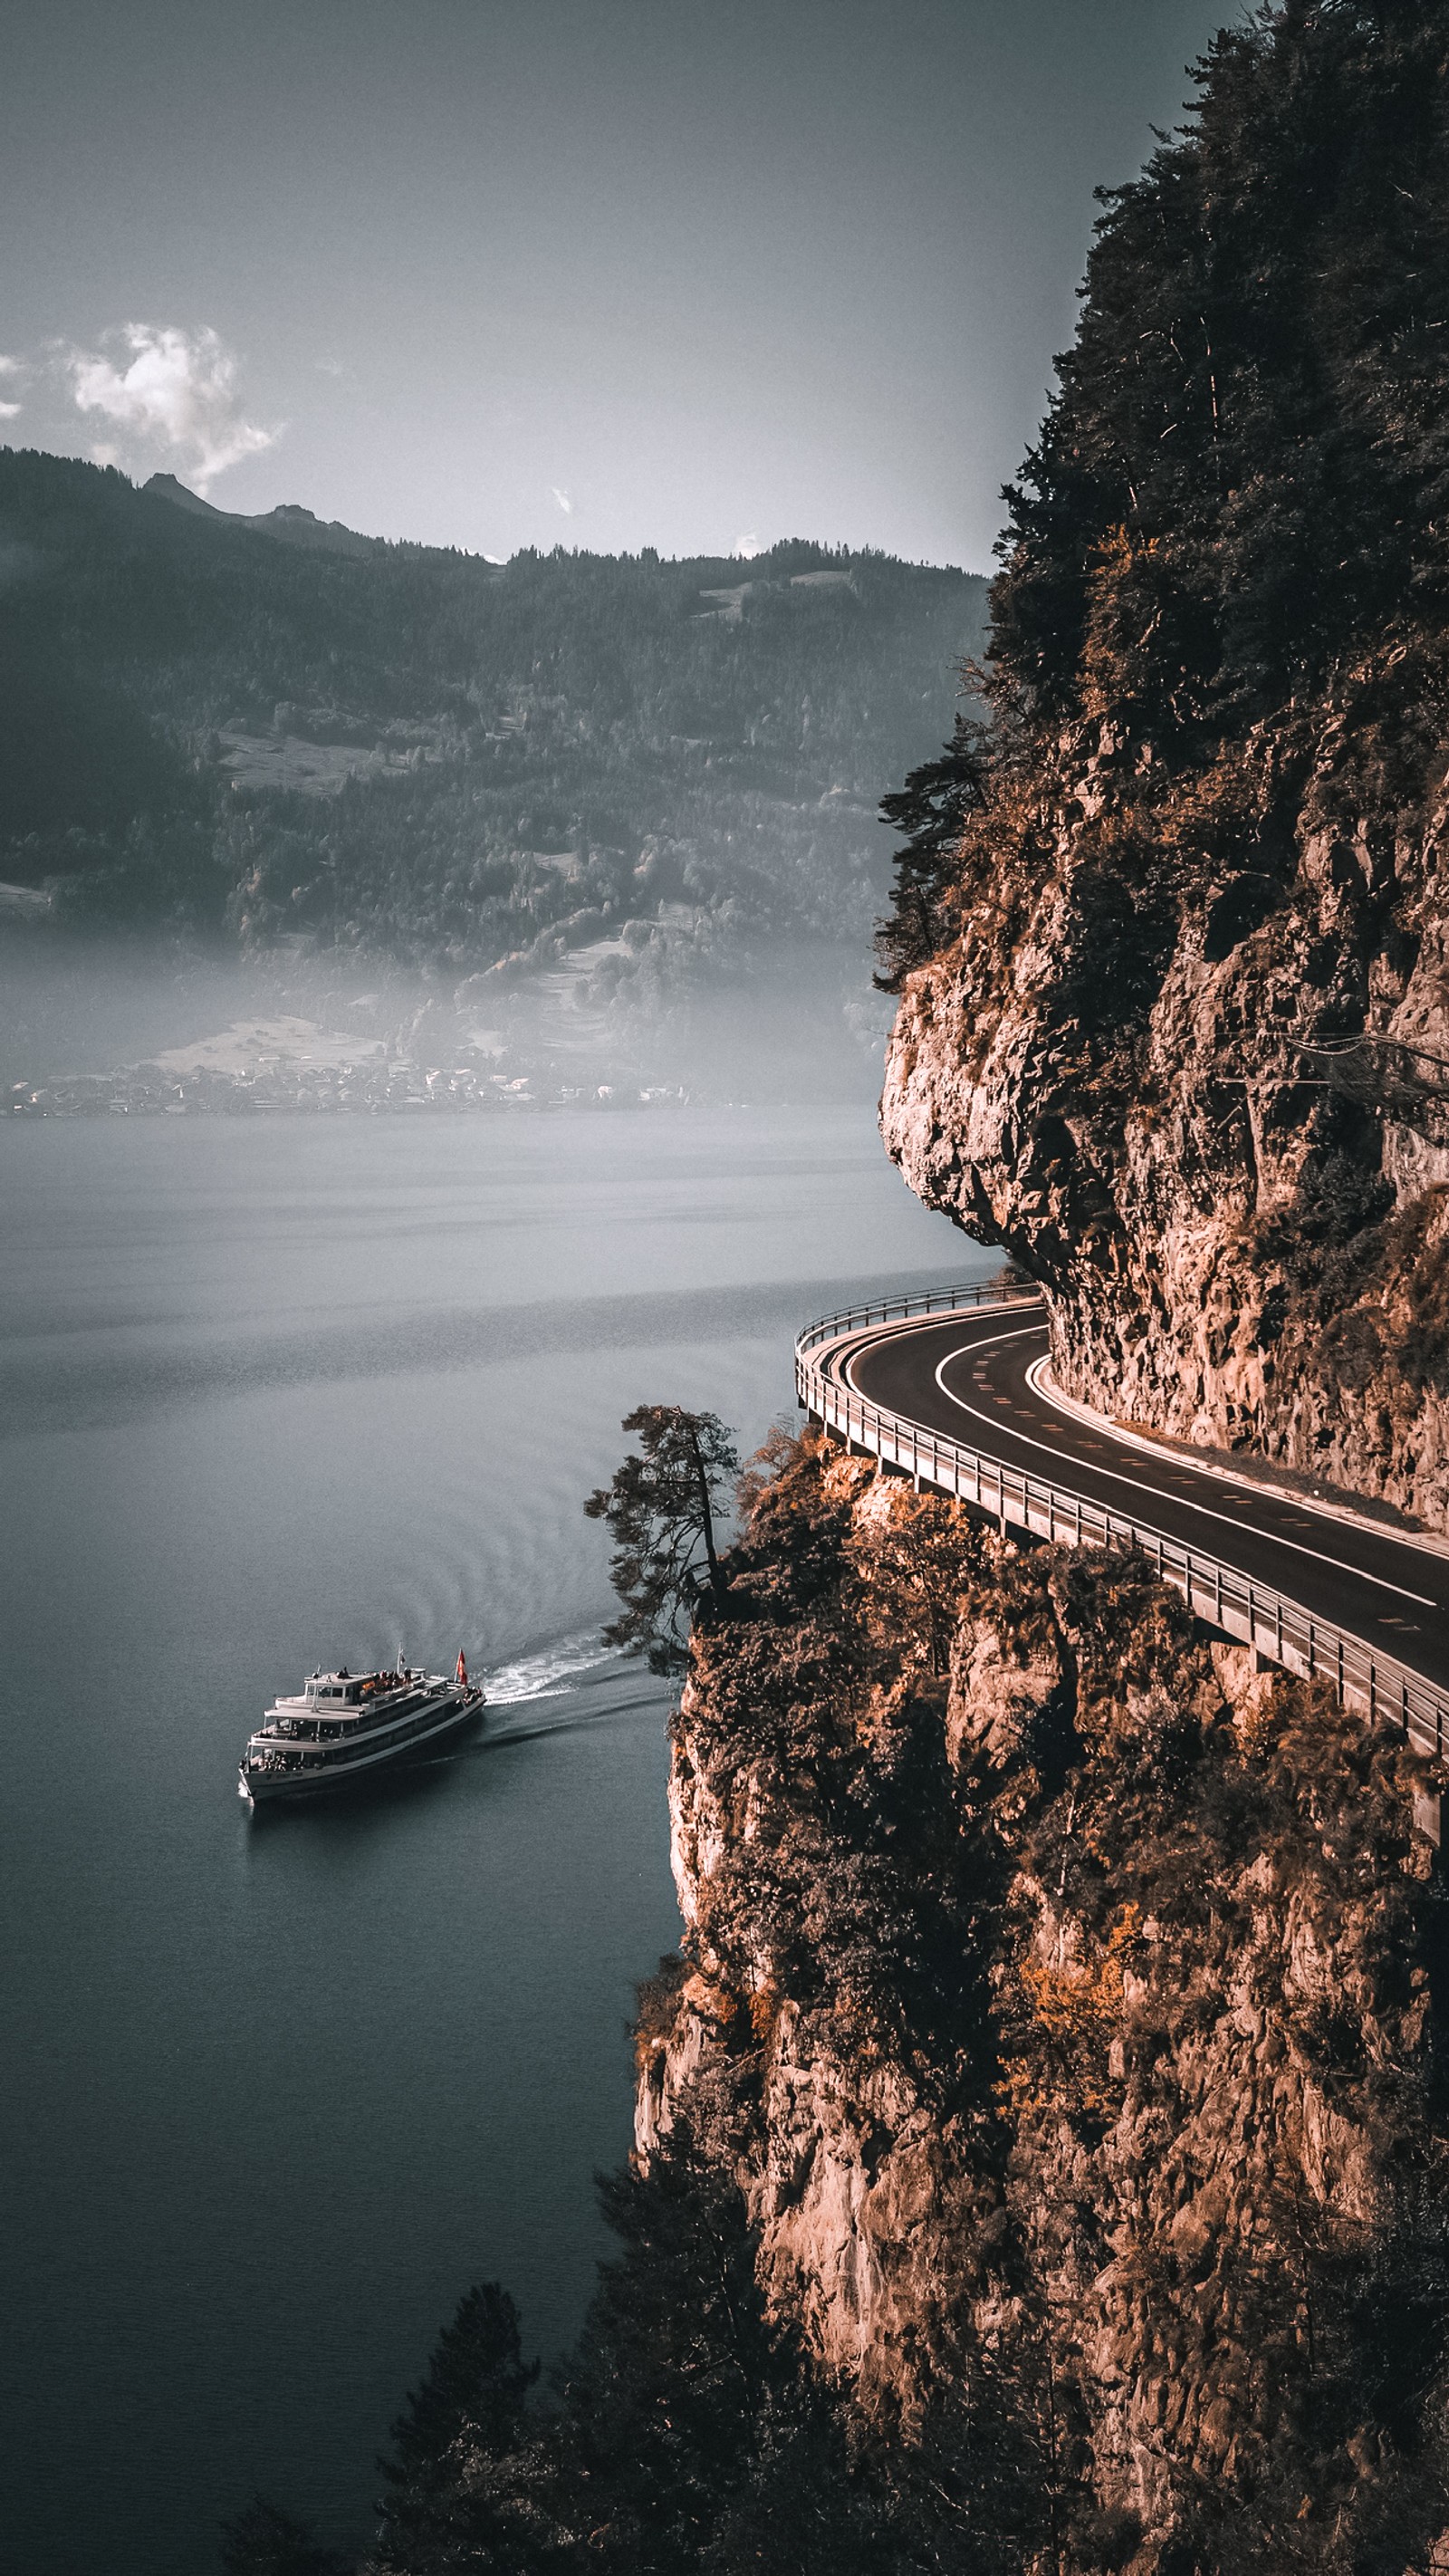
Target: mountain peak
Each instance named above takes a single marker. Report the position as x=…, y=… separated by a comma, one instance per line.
x=289, y=520
x=165, y=487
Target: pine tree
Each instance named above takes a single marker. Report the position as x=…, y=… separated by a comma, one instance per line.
x=931, y=811
x=660, y=1508
x=262, y=2540
x=470, y=2411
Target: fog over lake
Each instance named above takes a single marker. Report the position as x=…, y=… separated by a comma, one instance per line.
x=279, y=1390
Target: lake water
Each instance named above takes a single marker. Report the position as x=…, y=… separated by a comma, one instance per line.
x=275, y=2092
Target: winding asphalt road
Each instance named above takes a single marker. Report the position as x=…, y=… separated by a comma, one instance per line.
x=971, y=1376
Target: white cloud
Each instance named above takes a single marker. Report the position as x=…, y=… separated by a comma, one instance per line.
x=9, y=411
x=12, y=366
x=748, y=547
x=562, y=498
x=175, y=391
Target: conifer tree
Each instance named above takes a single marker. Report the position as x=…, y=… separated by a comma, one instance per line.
x=262, y=2540
x=660, y=1508
x=931, y=811
x=468, y=2413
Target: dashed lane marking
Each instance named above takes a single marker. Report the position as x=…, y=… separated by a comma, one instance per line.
x=1341, y=1565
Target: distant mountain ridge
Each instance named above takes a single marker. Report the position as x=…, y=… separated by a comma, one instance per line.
x=625, y=770
x=288, y=521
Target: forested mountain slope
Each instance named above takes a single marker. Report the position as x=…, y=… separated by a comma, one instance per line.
x=407, y=751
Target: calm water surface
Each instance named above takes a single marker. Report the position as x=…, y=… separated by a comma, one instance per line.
x=276, y=2092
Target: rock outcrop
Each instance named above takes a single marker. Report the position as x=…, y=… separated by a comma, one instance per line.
x=1062, y=2014
x=1057, y=1988
x=1137, y=1087
x=1177, y=1034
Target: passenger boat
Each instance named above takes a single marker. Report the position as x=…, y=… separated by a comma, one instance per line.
x=345, y=1727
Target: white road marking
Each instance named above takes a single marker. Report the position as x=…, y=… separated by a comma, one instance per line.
x=1023, y=1332
x=1137, y=1485
x=1425, y=1542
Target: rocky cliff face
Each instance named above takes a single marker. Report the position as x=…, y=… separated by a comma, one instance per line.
x=1055, y=1987
x=1128, y=1069
x=1177, y=1033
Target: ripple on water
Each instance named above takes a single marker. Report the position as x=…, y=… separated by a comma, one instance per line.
x=270, y=1396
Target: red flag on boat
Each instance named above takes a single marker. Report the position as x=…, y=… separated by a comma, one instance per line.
x=461, y=1675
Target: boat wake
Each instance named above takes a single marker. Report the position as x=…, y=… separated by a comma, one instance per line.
x=549, y=1673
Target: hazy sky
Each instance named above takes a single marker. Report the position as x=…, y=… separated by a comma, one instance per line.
x=611, y=273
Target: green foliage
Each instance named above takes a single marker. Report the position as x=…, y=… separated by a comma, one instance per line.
x=866, y=1899
x=660, y=1509
x=1234, y=518
x=675, y=2364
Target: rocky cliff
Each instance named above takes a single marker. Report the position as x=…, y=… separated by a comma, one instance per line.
x=1176, y=1032
x=1056, y=1988
x=1197, y=1091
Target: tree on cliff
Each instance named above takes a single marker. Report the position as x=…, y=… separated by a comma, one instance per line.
x=1236, y=497
x=930, y=811
x=471, y=2407
x=1240, y=478
x=262, y=2540
x=1191, y=938
x=660, y=1509
x=682, y=2431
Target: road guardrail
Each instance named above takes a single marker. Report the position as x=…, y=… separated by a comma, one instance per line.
x=1257, y=1615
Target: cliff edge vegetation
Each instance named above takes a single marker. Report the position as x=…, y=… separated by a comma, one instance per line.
x=1174, y=1014
x=1058, y=1991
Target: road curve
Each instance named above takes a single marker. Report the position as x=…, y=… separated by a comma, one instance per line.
x=916, y=1388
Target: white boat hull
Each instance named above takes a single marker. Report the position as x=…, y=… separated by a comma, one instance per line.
x=455, y=1714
